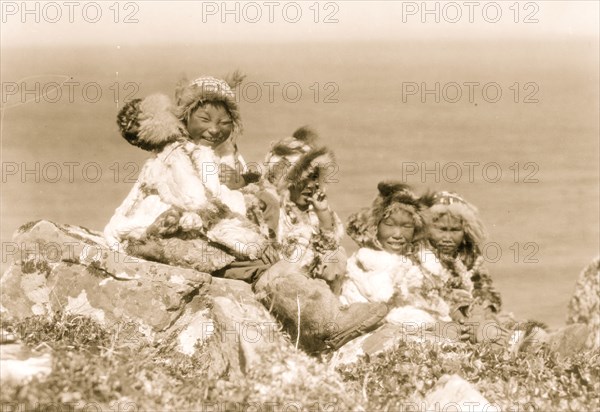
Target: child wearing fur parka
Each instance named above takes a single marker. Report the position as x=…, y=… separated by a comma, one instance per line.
x=455, y=234
x=308, y=231
x=386, y=267
x=300, y=287
x=185, y=208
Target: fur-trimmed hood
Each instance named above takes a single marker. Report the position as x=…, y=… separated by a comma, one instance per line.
x=293, y=159
x=155, y=121
x=438, y=204
x=150, y=123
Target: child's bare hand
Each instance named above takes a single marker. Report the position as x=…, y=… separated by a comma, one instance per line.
x=231, y=178
x=319, y=201
x=460, y=301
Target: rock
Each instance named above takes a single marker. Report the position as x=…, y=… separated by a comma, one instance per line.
x=454, y=393
x=388, y=337
x=181, y=311
x=569, y=340
x=18, y=364
x=227, y=318
x=584, y=306
x=69, y=268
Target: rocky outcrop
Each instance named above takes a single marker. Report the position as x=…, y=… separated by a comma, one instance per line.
x=232, y=324
x=71, y=269
x=584, y=306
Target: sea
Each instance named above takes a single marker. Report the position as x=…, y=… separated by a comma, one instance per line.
x=512, y=126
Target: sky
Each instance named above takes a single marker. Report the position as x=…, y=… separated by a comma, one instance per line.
x=161, y=22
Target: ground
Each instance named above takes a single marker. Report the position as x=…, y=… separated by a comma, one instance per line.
x=89, y=368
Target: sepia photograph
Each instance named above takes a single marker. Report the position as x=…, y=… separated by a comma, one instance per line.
x=300, y=205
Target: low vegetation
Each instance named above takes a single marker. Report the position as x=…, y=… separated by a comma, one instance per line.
x=92, y=370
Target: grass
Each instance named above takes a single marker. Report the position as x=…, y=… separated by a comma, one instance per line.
x=93, y=371
x=528, y=381
x=91, y=367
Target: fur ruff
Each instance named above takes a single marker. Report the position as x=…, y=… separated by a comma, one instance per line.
x=289, y=147
x=316, y=160
x=391, y=193
x=303, y=139
x=475, y=233
x=206, y=90
x=150, y=123
x=153, y=122
x=158, y=124
x=293, y=159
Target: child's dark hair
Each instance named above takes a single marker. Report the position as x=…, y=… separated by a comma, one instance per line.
x=127, y=120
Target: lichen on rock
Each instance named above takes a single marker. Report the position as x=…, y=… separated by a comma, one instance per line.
x=69, y=270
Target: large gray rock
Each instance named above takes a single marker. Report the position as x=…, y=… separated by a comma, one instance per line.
x=231, y=323
x=584, y=306
x=19, y=364
x=71, y=269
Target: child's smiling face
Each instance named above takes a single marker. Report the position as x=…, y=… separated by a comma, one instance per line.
x=210, y=125
x=395, y=233
x=446, y=234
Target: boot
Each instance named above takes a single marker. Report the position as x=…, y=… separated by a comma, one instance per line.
x=309, y=310
x=564, y=342
x=354, y=321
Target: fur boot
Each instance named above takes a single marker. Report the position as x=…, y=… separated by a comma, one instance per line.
x=309, y=310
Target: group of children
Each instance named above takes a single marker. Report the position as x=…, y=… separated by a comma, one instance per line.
x=195, y=205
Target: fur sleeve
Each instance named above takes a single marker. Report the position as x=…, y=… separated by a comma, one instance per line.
x=483, y=289
x=207, y=165
x=135, y=214
x=176, y=180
